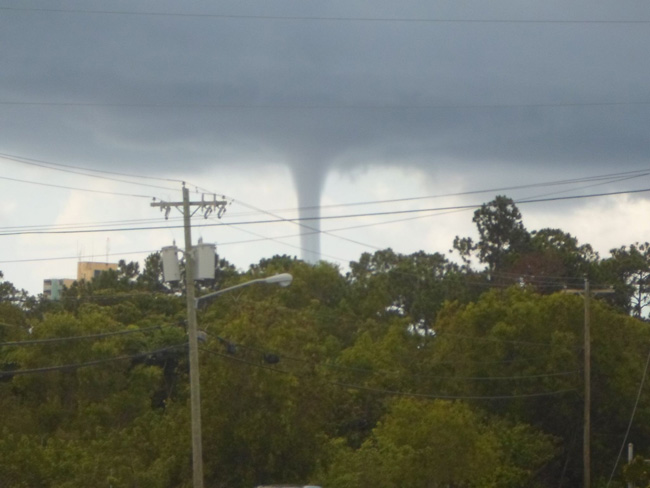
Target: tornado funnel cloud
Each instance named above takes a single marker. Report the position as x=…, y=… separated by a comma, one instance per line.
x=309, y=179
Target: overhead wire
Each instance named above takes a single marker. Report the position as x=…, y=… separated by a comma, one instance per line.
x=629, y=425
x=88, y=190
x=97, y=362
x=55, y=340
x=69, y=258
x=85, y=168
x=529, y=280
x=344, y=216
x=263, y=238
x=609, y=177
x=86, y=225
x=77, y=171
x=570, y=181
x=312, y=18
x=419, y=376
x=609, y=181
x=352, y=386
x=496, y=339
x=304, y=226
x=329, y=107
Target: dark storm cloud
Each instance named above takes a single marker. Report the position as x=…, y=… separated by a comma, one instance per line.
x=291, y=86
x=317, y=94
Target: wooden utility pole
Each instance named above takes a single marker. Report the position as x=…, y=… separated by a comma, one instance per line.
x=195, y=391
x=586, y=437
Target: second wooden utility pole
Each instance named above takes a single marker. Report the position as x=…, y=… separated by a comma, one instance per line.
x=586, y=439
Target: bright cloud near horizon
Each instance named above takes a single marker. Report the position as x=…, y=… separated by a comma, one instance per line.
x=282, y=105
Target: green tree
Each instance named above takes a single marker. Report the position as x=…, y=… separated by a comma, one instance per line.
x=553, y=261
x=413, y=286
x=502, y=235
x=628, y=269
x=524, y=350
x=427, y=444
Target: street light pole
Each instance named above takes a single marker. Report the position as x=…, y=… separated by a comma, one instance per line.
x=283, y=279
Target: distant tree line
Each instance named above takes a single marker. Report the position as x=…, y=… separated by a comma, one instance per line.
x=407, y=371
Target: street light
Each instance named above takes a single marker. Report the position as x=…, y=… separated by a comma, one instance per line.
x=283, y=279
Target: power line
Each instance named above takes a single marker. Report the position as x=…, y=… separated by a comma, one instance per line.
x=304, y=226
x=611, y=176
x=631, y=174
x=48, y=369
x=54, y=340
x=26, y=160
x=335, y=217
x=430, y=396
x=76, y=188
x=377, y=372
x=495, y=339
x=83, y=225
x=79, y=172
x=69, y=258
x=340, y=106
x=312, y=18
x=263, y=238
x=629, y=425
x=608, y=177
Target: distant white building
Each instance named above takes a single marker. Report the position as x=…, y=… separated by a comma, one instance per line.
x=53, y=287
x=86, y=270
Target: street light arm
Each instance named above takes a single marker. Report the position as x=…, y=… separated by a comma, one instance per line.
x=283, y=279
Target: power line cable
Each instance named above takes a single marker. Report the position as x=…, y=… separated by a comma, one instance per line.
x=86, y=225
x=82, y=173
x=336, y=217
x=330, y=107
x=48, y=369
x=583, y=187
x=54, y=340
x=27, y=160
x=304, y=226
x=629, y=425
x=312, y=18
x=329, y=232
x=495, y=339
x=69, y=258
x=636, y=173
x=51, y=185
x=392, y=392
x=611, y=176
x=375, y=372
x=262, y=238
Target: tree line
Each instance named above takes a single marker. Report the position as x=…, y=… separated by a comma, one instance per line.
x=411, y=371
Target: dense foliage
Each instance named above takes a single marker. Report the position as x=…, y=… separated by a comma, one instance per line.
x=408, y=371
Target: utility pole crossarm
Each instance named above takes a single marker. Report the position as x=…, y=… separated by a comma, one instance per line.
x=207, y=206
x=282, y=279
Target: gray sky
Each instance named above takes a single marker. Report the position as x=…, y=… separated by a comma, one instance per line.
x=345, y=100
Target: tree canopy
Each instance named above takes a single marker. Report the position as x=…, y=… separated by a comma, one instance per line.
x=409, y=371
